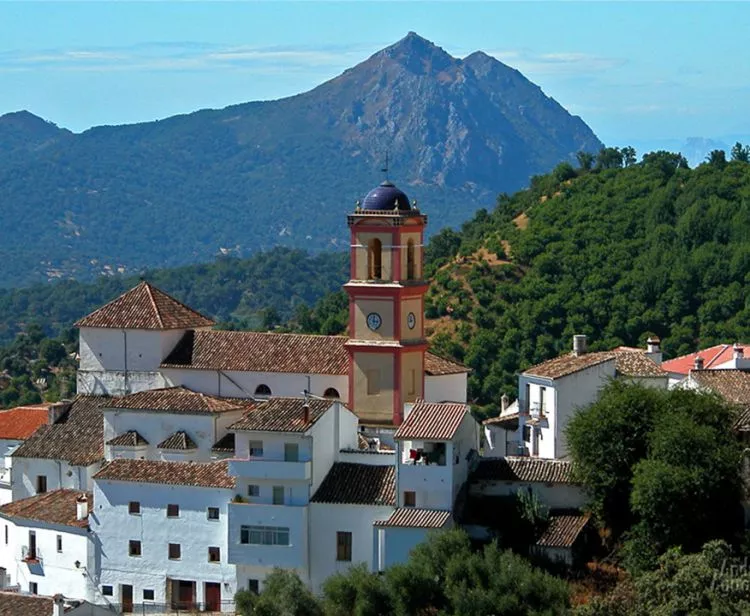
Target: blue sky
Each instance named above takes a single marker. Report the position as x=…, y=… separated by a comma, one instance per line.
x=636, y=72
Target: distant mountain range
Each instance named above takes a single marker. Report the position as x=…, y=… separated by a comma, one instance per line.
x=285, y=172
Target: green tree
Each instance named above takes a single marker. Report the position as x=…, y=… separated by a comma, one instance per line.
x=284, y=594
x=717, y=158
x=741, y=152
x=585, y=160
x=628, y=156
x=609, y=158
x=564, y=171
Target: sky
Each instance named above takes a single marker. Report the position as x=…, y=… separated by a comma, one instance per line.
x=636, y=72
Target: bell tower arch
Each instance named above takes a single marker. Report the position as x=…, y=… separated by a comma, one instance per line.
x=386, y=306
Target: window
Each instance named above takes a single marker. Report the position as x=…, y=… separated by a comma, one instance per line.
x=331, y=392
x=264, y=535
x=33, y=588
x=173, y=511
x=344, y=546
x=175, y=551
x=253, y=586
x=41, y=484
x=412, y=382
x=527, y=433
x=134, y=508
x=253, y=490
x=262, y=390
x=214, y=555
x=134, y=548
x=278, y=495
x=148, y=594
x=291, y=452
x=107, y=591
x=59, y=543
x=410, y=499
x=542, y=392
x=375, y=259
x=410, y=275
x=213, y=513
x=373, y=382
x=256, y=449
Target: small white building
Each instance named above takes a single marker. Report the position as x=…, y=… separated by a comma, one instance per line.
x=162, y=527
x=47, y=547
x=17, y=425
x=718, y=357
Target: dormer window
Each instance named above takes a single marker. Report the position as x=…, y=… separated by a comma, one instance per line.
x=263, y=391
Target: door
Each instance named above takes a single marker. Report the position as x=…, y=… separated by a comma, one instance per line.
x=126, y=598
x=185, y=595
x=32, y=545
x=291, y=452
x=213, y=597
x=278, y=495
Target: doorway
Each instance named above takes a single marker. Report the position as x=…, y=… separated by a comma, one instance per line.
x=126, y=598
x=183, y=595
x=213, y=597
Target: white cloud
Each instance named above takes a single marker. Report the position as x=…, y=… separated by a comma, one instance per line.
x=567, y=63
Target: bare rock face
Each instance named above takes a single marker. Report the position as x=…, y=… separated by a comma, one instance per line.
x=457, y=132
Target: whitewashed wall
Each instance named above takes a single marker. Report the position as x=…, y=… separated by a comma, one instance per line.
x=59, y=474
x=56, y=572
x=445, y=388
x=192, y=530
x=125, y=349
x=553, y=495
x=325, y=521
x=395, y=544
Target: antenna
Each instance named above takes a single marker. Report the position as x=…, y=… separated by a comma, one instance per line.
x=385, y=169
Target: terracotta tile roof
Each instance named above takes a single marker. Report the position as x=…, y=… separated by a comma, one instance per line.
x=712, y=356
x=131, y=438
x=56, y=507
x=177, y=400
x=742, y=423
x=627, y=363
x=432, y=421
x=271, y=352
x=562, y=531
x=510, y=418
x=77, y=437
x=436, y=366
x=198, y=474
x=409, y=517
x=358, y=484
x=225, y=444
x=283, y=415
x=20, y=423
x=179, y=441
x=732, y=385
x=524, y=469
x=15, y=604
x=145, y=307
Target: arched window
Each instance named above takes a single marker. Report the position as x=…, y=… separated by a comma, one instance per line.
x=262, y=390
x=375, y=260
x=410, y=271
x=331, y=392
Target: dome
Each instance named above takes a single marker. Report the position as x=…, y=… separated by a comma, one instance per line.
x=386, y=197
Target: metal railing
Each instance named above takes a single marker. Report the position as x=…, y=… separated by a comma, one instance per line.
x=31, y=556
x=176, y=607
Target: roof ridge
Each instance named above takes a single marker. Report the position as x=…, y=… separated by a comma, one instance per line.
x=153, y=303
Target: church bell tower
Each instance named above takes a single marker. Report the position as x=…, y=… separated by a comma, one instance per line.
x=386, y=306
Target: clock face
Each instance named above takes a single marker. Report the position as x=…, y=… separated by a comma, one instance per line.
x=374, y=321
x=411, y=320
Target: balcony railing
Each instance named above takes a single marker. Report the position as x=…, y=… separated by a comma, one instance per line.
x=30, y=555
x=516, y=448
x=537, y=410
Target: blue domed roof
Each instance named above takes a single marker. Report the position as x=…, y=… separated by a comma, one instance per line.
x=386, y=197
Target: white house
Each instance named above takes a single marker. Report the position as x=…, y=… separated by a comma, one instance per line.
x=551, y=392
x=718, y=357
x=17, y=425
x=162, y=527
x=47, y=545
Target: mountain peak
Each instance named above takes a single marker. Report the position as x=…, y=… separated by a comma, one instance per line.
x=419, y=55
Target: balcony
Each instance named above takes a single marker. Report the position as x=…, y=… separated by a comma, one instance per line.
x=264, y=468
x=32, y=556
x=536, y=410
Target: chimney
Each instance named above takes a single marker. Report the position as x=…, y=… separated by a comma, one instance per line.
x=306, y=413
x=698, y=363
x=57, y=410
x=504, y=403
x=82, y=507
x=579, y=344
x=738, y=352
x=653, y=349
x=58, y=605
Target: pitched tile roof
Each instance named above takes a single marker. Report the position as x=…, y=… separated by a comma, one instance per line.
x=225, y=444
x=198, y=474
x=179, y=441
x=562, y=531
x=432, y=421
x=272, y=352
x=283, y=415
x=77, y=437
x=509, y=418
x=712, y=356
x=358, y=484
x=627, y=363
x=732, y=385
x=21, y=422
x=131, y=438
x=410, y=517
x=16, y=604
x=145, y=307
x=524, y=469
x=56, y=507
x=177, y=400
